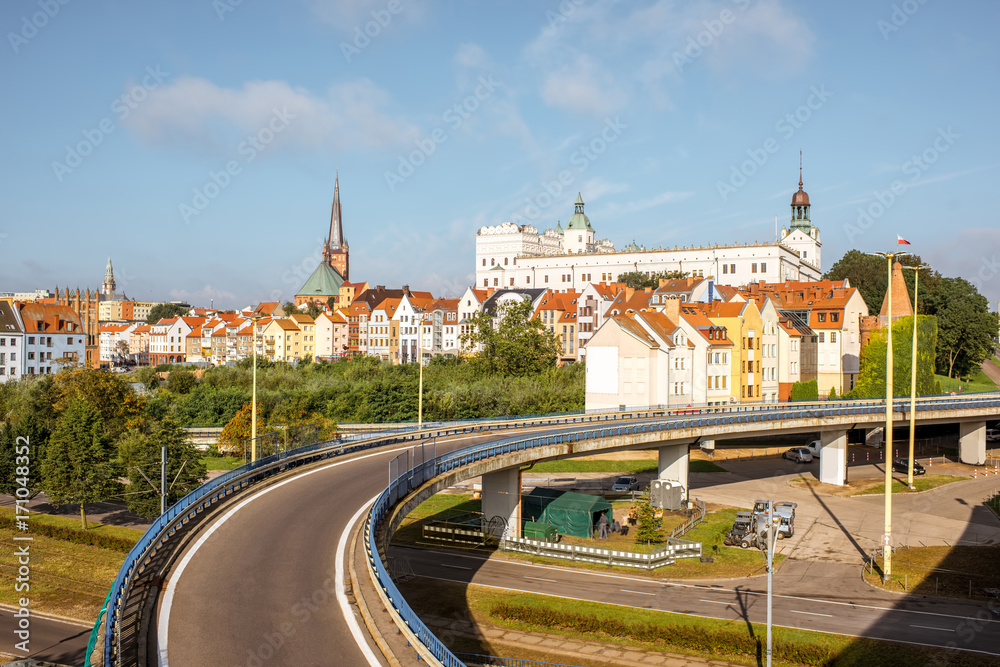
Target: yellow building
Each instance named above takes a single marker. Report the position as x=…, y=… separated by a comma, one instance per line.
x=745, y=328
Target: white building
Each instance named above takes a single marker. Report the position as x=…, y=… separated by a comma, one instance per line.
x=11, y=342
x=113, y=340
x=54, y=338
x=509, y=255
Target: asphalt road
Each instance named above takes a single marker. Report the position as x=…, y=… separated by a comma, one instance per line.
x=848, y=607
x=52, y=640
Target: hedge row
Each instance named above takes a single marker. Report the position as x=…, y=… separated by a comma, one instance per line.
x=90, y=538
x=716, y=641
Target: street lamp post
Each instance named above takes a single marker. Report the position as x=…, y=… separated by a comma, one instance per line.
x=913, y=371
x=887, y=546
x=420, y=381
x=253, y=409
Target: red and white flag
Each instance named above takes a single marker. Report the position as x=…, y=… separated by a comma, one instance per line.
x=901, y=241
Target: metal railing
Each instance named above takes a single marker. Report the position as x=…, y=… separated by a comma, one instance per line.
x=580, y=553
x=697, y=516
x=400, y=486
x=127, y=600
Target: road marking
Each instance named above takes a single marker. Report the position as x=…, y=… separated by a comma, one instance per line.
x=715, y=601
x=625, y=590
x=456, y=567
x=540, y=579
x=345, y=605
x=928, y=627
x=811, y=613
x=171, y=584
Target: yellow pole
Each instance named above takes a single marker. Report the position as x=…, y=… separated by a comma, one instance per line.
x=913, y=377
x=887, y=551
x=253, y=409
x=420, y=381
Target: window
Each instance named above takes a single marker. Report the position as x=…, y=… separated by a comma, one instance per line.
x=493, y=262
x=821, y=317
x=484, y=261
x=833, y=336
x=834, y=317
x=69, y=340
x=546, y=277
x=732, y=268
x=763, y=267
x=725, y=268
x=822, y=337
x=496, y=282
x=753, y=268
x=31, y=340
x=505, y=261
x=31, y=356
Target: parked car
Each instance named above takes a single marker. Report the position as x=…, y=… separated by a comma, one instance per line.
x=625, y=483
x=798, y=454
x=902, y=465
x=992, y=434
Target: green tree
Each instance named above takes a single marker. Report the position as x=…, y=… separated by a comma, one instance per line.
x=965, y=325
x=514, y=342
x=331, y=303
x=164, y=311
x=108, y=393
x=290, y=308
x=237, y=431
x=649, y=526
x=871, y=380
x=140, y=451
x=14, y=437
x=78, y=465
x=313, y=310
x=640, y=280
x=181, y=381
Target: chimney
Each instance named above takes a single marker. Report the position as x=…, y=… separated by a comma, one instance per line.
x=672, y=309
x=690, y=281
x=629, y=291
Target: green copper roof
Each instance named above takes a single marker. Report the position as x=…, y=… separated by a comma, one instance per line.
x=579, y=220
x=324, y=281
x=559, y=229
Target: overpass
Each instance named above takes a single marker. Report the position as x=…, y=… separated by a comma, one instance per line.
x=217, y=616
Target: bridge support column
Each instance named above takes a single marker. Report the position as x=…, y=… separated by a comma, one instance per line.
x=972, y=442
x=674, y=465
x=502, y=497
x=832, y=457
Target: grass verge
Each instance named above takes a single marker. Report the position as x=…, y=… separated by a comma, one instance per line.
x=68, y=579
x=221, y=462
x=633, y=627
x=920, y=483
x=960, y=571
x=979, y=382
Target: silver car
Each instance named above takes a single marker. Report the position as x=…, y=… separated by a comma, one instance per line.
x=798, y=454
x=625, y=483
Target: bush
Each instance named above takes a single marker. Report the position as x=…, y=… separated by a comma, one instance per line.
x=805, y=391
x=832, y=396
x=66, y=534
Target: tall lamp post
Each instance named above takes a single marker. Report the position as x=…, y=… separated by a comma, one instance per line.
x=887, y=547
x=420, y=381
x=253, y=409
x=913, y=370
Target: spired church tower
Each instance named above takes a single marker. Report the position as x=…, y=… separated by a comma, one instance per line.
x=802, y=236
x=336, y=252
x=108, y=286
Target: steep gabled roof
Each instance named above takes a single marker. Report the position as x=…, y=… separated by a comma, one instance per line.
x=324, y=282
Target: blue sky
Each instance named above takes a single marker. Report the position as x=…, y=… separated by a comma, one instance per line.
x=196, y=143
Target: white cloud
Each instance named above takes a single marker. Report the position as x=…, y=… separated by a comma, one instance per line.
x=196, y=111
x=583, y=87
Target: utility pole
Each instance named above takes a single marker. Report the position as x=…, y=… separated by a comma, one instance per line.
x=771, y=539
x=163, y=479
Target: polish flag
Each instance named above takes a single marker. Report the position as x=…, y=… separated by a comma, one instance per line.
x=901, y=241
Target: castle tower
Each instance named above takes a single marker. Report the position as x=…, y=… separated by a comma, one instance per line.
x=578, y=233
x=336, y=252
x=108, y=286
x=801, y=235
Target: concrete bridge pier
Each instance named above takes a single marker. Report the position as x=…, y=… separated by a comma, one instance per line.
x=674, y=464
x=833, y=457
x=972, y=442
x=502, y=497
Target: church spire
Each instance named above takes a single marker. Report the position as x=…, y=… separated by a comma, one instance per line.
x=108, y=287
x=336, y=238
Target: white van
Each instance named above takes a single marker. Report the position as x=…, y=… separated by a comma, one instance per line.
x=814, y=447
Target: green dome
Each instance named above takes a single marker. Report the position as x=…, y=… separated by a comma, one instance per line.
x=579, y=220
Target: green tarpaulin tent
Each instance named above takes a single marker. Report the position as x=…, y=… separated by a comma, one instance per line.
x=571, y=513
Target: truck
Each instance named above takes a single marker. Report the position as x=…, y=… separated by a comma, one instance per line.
x=750, y=528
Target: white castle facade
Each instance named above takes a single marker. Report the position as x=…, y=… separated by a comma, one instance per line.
x=510, y=255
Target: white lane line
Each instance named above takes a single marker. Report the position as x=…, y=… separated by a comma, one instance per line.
x=455, y=567
x=170, y=586
x=540, y=579
x=811, y=613
x=928, y=627
x=715, y=601
x=625, y=590
x=345, y=606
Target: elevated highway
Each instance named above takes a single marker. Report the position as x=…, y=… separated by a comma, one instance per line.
x=256, y=557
